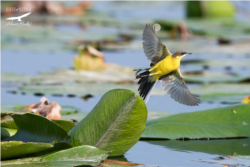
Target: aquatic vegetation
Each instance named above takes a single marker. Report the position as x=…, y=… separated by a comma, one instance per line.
x=219, y=123
x=117, y=126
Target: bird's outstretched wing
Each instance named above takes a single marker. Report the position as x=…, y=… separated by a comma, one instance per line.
x=154, y=49
x=177, y=89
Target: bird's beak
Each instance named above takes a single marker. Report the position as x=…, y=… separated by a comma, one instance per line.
x=187, y=54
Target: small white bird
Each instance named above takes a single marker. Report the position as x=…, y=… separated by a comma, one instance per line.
x=19, y=17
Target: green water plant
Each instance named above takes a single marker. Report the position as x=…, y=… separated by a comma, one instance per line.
x=110, y=129
x=225, y=122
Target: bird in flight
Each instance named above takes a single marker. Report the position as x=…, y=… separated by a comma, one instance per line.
x=18, y=18
x=164, y=67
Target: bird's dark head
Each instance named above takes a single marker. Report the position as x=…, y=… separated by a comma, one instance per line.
x=180, y=54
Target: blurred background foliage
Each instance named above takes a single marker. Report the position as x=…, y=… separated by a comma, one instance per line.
x=83, y=49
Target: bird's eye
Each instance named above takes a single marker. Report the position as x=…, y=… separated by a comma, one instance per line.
x=183, y=53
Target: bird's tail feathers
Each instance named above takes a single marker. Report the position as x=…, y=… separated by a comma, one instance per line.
x=149, y=93
x=146, y=83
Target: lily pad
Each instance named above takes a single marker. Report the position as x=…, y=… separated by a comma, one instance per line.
x=9, y=124
x=49, y=37
x=7, y=132
x=216, y=77
x=35, y=128
x=226, y=93
x=67, y=110
x=65, y=124
x=117, y=122
x=12, y=149
x=213, y=123
x=210, y=27
x=72, y=88
x=82, y=83
x=112, y=73
x=157, y=114
x=220, y=63
x=78, y=116
x=81, y=90
x=82, y=155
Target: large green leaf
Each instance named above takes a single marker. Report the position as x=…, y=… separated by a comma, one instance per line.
x=9, y=124
x=7, y=132
x=224, y=122
x=14, y=149
x=35, y=128
x=82, y=155
x=8, y=128
x=65, y=124
x=115, y=123
x=57, y=147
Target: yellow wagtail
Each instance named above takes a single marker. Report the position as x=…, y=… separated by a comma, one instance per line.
x=164, y=67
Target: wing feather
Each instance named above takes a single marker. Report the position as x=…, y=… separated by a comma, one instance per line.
x=154, y=49
x=177, y=89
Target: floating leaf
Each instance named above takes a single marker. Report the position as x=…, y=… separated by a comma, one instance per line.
x=216, y=77
x=222, y=92
x=7, y=132
x=115, y=123
x=9, y=124
x=65, y=124
x=78, y=117
x=57, y=147
x=213, y=123
x=14, y=149
x=67, y=110
x=82, y=155
x=35, y=128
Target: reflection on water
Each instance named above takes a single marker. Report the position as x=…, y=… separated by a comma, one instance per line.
x=221, y=147
x=186, y=153
x=154, y=155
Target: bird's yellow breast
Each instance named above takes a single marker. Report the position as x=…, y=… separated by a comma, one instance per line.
x=165, y=66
